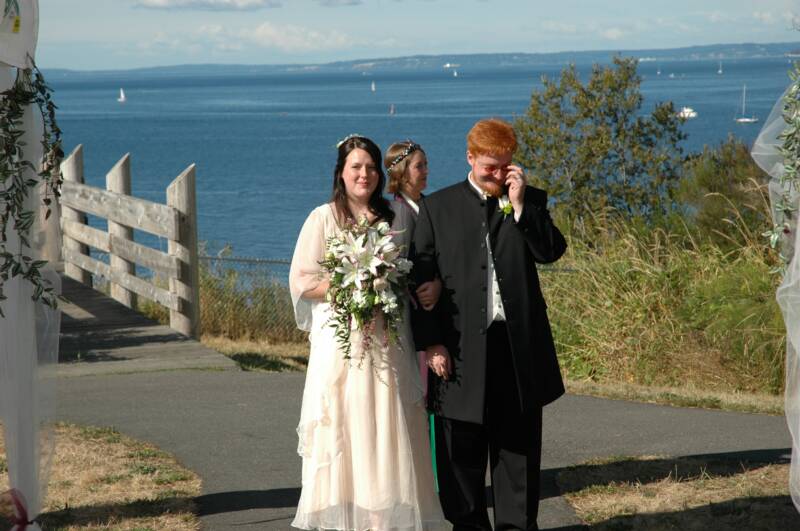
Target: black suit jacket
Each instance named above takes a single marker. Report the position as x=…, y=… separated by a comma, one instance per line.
x=449, y=241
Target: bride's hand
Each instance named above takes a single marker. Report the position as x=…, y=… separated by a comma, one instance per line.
x=319, y=292
x=439, y=361
x=428, y=293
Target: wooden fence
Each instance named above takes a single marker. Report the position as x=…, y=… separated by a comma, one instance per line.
x=176, y=221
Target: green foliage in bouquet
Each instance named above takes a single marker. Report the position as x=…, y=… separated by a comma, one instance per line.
x=368, y=278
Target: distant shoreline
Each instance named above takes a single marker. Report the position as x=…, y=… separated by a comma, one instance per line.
x=715, y=52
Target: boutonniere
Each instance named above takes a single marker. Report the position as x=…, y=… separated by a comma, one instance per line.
x=505, y=205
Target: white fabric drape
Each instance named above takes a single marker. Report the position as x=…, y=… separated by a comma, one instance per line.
x=19, y=32
x=29, y=337
x=765, y=153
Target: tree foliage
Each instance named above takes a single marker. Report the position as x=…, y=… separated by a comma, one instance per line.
x=726, y=195
x=591, y=146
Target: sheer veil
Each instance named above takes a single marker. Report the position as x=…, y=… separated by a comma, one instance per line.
x=767, y=155
x=29, y=330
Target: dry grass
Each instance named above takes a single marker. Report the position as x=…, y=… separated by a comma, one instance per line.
x=693, y=493
x=261, y=355
x=689, y=396
x=103, y=480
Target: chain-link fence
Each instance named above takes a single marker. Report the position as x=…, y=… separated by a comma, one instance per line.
x=247, y=298
x=241, y=298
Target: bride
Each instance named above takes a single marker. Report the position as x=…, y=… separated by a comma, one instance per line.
x=362, y=432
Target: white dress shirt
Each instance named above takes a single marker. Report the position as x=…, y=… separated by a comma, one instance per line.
x=494, y=302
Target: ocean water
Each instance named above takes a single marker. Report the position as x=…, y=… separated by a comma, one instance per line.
x=264, y=145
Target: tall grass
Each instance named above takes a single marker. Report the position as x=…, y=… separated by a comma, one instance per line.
x=239, y=306
x=667, y=307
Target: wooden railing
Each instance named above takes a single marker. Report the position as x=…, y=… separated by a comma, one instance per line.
x=176, y=221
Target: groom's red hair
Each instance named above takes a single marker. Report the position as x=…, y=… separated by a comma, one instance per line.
x=492, y=136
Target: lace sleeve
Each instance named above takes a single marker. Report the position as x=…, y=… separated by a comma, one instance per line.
x=305, y=272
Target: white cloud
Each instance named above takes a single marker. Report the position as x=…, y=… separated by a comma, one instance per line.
x=217, y=39
x=671, y=23
x=290, y=38
x=211, y=5
x=337, y=3
x=717, y=17
x=765, y=17
x=613, y=34
x=552, y=26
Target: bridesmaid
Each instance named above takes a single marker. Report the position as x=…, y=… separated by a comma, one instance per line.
x=407, y=168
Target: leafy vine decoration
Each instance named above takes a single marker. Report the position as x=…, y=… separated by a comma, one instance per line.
x=11, y=5
x=28, y=89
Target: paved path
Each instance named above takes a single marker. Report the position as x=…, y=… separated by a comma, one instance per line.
x=100, y=336
x=236, y=429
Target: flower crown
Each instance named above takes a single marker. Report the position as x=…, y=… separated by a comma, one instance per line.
x=410, y=148
x=348, y=137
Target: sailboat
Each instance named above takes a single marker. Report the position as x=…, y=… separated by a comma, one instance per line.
x=122, y=98
x=392, y=110
x=745, y=119
x=719, y=70
x=455, y=73
x=372, y=87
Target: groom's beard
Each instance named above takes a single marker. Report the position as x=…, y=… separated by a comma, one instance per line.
x=491, y=188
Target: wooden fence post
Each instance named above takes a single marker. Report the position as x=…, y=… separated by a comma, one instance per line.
x=181, y=195
x=119, y=180
x=72, y=171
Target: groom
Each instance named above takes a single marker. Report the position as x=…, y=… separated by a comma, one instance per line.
x=488, y=340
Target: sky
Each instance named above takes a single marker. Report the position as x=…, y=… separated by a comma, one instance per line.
x=121, y=34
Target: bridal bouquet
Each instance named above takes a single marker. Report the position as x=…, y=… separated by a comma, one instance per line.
x=367, y=278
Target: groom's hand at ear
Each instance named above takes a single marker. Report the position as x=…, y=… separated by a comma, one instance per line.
x=439, y=361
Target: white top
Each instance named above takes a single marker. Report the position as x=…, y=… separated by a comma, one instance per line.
x=495, y=299
x=413, y=204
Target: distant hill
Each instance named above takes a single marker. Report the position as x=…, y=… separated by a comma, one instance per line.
x=472, y=61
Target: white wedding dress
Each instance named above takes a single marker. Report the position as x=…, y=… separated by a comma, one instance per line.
x=362, y=431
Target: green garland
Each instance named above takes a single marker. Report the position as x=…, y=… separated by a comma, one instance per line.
x=28, y=89
x=784, y=209
x=11, y=4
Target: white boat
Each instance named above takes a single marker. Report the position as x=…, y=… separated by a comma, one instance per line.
x=672, y=75
x=687, y=113
x=122, y=98
x=745, y=119
x=392, y=109
x=658, y=71
x=719, y=70
x=455, y=73
x=372, y=87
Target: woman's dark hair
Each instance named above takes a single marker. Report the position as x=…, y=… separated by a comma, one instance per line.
x=377, y=204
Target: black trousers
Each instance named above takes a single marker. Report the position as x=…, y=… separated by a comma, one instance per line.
x=511, y=440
